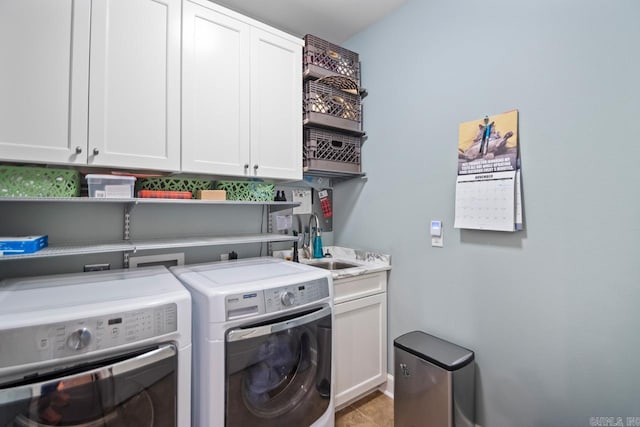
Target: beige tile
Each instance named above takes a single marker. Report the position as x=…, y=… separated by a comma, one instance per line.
x=373, y=410
x=373, y=399
x=377, y=407
x=342, y=412
x=350, y=417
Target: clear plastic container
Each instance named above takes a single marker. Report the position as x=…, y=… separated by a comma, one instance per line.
x=111, y=186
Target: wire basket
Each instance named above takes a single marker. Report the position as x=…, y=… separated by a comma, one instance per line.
x=28, y=181
x=330, y=107
x=331, y=151
x=170, y=183
x=321, y=59
x=247, y=190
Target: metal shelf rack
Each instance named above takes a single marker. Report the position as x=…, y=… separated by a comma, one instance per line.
x=128, y=246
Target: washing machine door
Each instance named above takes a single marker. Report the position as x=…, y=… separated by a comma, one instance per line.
x=278, y=373
x=134, y=389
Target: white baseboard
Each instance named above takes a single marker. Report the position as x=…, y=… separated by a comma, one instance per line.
x=387, y=388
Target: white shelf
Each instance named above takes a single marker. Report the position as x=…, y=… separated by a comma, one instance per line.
x=184, y=242
x=140, y=201
x=54, y=251
x=143, y=245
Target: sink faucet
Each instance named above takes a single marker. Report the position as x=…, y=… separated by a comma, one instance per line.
x=307, y=246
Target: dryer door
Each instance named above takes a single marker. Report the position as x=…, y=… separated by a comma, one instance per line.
x=278, y=372
x=134, y=389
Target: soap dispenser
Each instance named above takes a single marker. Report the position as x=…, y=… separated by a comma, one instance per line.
x=317, y=245
x=315, y=239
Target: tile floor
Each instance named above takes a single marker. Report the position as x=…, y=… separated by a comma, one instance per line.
x=374, y=410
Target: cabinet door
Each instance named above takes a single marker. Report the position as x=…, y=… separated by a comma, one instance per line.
x=360, y=346
x=44, y=57
x=134, y=91
x=276, y=106
x=215, y=98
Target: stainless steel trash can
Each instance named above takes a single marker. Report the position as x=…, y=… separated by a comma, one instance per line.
x=434, y=382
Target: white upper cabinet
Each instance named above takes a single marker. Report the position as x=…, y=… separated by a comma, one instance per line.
x=215, y=98
x=98, y=82
x=134, y=92
x=44, y=70
x=276, y=106
x=91, y=82
x=242, y=97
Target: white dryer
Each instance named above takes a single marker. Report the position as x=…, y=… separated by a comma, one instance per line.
x=106, y=348
x=262, y=343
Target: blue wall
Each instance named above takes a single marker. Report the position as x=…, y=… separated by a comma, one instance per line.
x=552, y=312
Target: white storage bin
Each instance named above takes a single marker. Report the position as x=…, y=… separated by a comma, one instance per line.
x=111, y=186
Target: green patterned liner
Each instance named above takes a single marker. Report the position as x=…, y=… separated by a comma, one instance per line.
x=28, y=181
x=171, y=183
x=247, y=190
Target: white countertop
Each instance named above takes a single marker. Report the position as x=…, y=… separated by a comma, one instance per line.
x=366, y=262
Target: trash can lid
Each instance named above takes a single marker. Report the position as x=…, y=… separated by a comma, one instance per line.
x=442, y=353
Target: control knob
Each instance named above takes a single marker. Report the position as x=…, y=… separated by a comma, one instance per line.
x=79, y=339
x=287, y=298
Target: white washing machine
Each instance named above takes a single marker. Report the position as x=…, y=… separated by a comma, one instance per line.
x=262, y=343
x=95, y=349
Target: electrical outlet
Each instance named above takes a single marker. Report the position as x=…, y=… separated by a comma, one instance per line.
x=97, y=267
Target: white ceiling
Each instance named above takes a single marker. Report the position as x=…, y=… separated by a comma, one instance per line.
x=332, y=20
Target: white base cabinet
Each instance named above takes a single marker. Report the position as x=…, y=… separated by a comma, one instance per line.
x=242, y=96
x=360, y=336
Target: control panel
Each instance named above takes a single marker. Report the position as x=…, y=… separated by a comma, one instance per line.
x=276, y=299
x=95, y=333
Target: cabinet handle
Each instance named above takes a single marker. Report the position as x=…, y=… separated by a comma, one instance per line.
x=96, y=151
x=78, y=150
x=255, y=167
x=246, y=165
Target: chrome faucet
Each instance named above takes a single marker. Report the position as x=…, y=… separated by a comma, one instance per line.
x=306, y=247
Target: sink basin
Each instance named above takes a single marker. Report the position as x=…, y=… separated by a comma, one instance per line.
x=333, y=265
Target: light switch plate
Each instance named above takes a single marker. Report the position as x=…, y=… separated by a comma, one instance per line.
x=436, y=228
x=436, y=232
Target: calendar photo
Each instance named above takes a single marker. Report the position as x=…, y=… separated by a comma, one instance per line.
x=489, y=144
